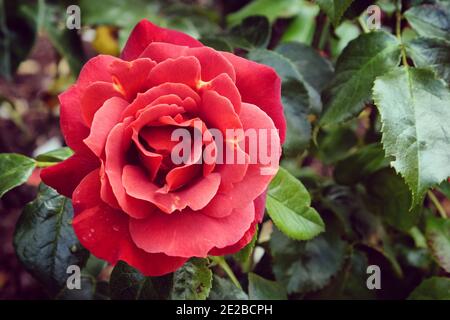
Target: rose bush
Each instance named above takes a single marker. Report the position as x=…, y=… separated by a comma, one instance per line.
x=131, y=202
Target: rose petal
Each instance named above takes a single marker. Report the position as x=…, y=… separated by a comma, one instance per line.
x=184, y=70
x=224, y=86
x=248, y=236
x=189, y=233
x=260, y=204
x=66, y=175
x=211, y=61
x=93, y=98
x=104, y=232
x=129, y=78
x=104, y=120
x=72, y=124
x=260, y=85
x=195, y=197
x=96, y=69
x=146, y=32
x=153, y=113
x=180, y=176
x=117, y=145
x=160, y=51
x=218, y=112
x=158, y=138
x=106, y=193
x=144, y=99
x=258, y=176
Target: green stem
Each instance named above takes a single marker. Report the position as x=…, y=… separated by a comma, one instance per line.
x=225, y=267
x=363, y=24
x=437, y=204
x=398, y=32
x=324, y=34
x=44, y=164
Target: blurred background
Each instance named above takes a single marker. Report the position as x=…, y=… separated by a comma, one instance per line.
x=40, y=57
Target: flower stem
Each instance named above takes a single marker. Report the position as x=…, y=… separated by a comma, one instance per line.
x=44, y=164
x=225, y=267
x=363, y=25
x=437, y=204
x=398, y=31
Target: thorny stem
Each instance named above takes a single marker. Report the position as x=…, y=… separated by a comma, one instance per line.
x=437, y=204
x=225, y=267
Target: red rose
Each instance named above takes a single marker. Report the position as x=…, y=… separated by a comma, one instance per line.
x=131, y=201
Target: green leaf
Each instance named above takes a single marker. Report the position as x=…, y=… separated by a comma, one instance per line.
x=306, y=266
x=127, y=283
x=434, y=288
x=44, y=239
x=438, y=237
x=288, y=205
x=365, y=58
x=433, y=53
x=268, y=8
x=15, y=169
x=57, y=155
x=430, y=20
x=346, y=32
x=224, y=289
x=414, y=108
x=391, y=199
x=295, y=99
x=263, y=289
x=86, y=292
x=18, y=28
x=334, y=9
x=350, y=282
x=94, y=266
x=303, y=26
x=255, y=32
x=192, y=281
x=288, y=71
x=303, y=57
x=360, y=164
x=218, y=43
x=335, y=143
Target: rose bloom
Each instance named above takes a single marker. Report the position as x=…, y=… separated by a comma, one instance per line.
x=131, y=202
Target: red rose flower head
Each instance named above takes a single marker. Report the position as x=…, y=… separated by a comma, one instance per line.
x=133, y=200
